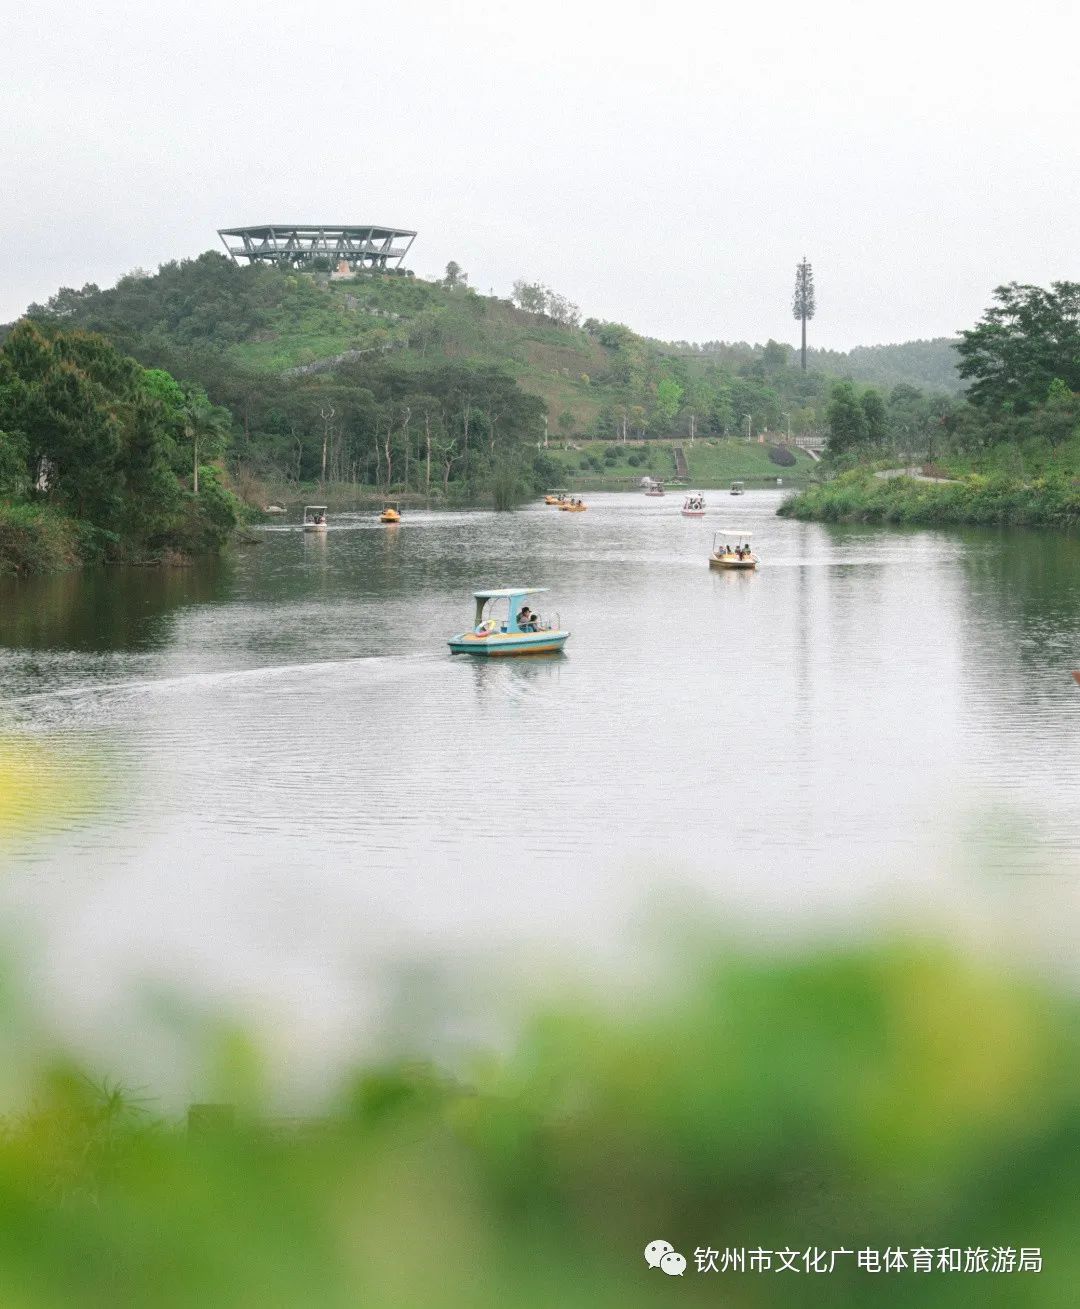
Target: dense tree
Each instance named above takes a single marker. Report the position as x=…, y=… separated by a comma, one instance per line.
x=562, y=310
x=1022, y=343
x=847, y=420
x=530, y=296
x=206, y=428
x=14, y=477
x=1057, y=418
x=92, y=433
x=455, y=275
x=774, y=357
x=873, y=407
x=668, y=395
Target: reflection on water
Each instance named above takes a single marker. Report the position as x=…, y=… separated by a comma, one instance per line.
x=307, y=776
x=99, y=609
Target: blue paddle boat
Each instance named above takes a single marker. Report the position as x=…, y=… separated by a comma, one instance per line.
x=517, y=632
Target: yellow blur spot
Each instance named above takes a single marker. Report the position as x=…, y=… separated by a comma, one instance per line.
x=41, y=782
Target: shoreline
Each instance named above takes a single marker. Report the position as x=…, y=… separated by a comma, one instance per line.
x=973, y=501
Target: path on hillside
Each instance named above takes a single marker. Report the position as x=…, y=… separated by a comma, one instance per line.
x=681, y=470
x=916, y=474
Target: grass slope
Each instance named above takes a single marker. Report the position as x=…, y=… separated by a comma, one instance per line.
x=711, y=463
x=424, y=325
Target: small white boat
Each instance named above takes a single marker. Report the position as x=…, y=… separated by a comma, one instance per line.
x=738, y=488
x=655, y=488
x=314, y=518
x=694, y=505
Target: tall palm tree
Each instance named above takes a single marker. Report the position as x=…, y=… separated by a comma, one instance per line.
x=205, y=426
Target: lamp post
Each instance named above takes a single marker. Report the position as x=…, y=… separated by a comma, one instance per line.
x=748, y=418
x=788, y=417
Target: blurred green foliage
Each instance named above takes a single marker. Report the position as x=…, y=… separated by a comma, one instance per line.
x=890, y=1097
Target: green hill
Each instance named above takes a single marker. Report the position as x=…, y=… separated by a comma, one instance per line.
x=268, y=321
x=388, y=381
x=596, y=380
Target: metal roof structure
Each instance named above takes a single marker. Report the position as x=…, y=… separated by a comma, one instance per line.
x=293, y=245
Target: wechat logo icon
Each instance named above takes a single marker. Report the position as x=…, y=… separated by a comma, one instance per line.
x=663, y=1255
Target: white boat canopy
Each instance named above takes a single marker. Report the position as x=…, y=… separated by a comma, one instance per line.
x=507, y=592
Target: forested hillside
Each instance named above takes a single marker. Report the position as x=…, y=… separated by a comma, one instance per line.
x=280, y=348
x=927, y=365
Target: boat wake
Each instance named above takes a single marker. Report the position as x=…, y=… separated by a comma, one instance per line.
x=220, y=677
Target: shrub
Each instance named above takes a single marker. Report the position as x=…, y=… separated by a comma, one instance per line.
x=778, y=454
x=859, y=497
x=505, y=489
x=37, y=540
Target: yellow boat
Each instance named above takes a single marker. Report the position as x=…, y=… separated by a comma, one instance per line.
x=573, y=506
x=735, y=553
x=390, y=514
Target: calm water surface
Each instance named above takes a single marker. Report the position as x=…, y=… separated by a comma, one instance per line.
x=287, y=782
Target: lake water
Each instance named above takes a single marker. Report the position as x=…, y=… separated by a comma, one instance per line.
x=284, y=790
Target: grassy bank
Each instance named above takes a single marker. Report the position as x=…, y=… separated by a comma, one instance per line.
x=711, y=463
x=860, y=497
x=38, y=540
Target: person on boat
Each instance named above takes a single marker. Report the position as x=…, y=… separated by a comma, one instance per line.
x=526, y=619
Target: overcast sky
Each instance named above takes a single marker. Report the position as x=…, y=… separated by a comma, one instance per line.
x=663, y=164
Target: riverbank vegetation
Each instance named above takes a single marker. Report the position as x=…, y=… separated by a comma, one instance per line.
x=1010, y=449
x=101, y=458
x=862, y=496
